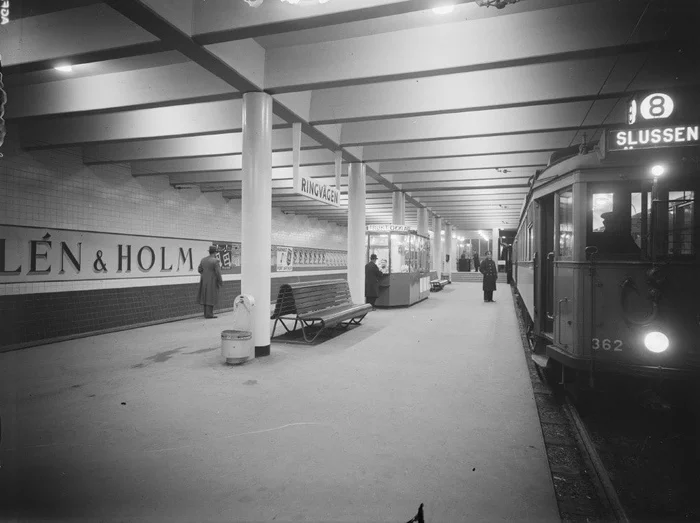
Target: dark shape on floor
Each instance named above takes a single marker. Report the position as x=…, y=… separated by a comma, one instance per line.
x=418, y=518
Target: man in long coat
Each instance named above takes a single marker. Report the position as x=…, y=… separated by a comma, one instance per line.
x=490, y=271
x=210, y=282
x=372, y=275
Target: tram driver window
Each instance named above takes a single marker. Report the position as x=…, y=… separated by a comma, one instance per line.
x=610, y=223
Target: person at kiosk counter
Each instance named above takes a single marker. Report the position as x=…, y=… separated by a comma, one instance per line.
x=490, y=271
x=372, y=275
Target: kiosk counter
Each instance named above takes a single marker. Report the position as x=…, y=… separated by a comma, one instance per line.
x=404, y=257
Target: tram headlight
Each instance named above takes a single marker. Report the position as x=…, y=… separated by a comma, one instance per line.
x=656, y=342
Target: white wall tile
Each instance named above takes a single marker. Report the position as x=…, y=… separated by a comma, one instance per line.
x=53, y=189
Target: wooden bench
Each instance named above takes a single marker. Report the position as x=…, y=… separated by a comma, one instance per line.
x=437, y=285
x=317, y=305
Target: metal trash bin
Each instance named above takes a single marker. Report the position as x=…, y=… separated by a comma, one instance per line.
x=237, y=344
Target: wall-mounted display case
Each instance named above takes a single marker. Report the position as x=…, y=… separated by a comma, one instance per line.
x=404, y=258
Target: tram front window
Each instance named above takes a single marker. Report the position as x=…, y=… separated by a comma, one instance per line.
x=610, y=223
x=681, y=217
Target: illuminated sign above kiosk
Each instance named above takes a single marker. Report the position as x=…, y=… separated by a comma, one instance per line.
x=388, y=228
x=650, y=109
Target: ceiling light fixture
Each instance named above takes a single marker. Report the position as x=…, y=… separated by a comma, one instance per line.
x=64, y=68
x=498, y=4
x=258, y=3
x=443, y=10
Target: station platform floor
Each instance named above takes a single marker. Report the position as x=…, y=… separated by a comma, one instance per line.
x=431, y=404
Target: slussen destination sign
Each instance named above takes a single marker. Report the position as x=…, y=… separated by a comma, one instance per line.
x=653, y=138
x=653, y=107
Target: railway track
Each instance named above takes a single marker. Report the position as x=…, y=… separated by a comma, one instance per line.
x=615, y=459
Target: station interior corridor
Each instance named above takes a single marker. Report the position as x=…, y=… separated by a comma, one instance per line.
x=430, y=404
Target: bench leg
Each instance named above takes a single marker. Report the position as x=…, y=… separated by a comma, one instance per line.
x=358, y=319
x=281, y=321
x=303, y=331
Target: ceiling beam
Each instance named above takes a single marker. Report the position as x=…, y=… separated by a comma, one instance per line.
x=142, y=88
x=216, y=144
x=466, y=46
x=524, y=120
x=148, y=19
x=238, y=21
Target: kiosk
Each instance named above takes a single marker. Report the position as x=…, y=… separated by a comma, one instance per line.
x=404, y=258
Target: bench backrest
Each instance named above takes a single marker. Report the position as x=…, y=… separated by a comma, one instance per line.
x=305, y=297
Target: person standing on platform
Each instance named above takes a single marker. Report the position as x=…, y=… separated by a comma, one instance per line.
x=476, y=262
x=210, y=282
x=372, y=275
x=490, y=271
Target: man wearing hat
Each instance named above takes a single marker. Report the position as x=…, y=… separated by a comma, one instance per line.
x=372, y=275
x=490, y=271
x=209, y=282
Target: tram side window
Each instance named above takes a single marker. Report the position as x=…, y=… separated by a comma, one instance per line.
x=681, y=223
x=566, y=225
x=610, y=221
x=637, y=216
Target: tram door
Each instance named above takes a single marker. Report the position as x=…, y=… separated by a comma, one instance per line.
x=546, y=290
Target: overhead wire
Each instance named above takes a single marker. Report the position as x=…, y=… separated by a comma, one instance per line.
x=610, y=72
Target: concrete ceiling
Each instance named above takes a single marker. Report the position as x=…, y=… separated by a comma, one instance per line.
x=456, y=110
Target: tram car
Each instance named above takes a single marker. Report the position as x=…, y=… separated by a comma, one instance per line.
x=606, y=262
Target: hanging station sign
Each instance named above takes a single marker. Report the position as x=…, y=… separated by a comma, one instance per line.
x=307, y=186
x=317, y=191
x=643, y=111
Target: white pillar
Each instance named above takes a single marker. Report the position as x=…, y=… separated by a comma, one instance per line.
x=356, y=231
x=437, y=245
x=430, y=222
x=448, y=250
x=398, y=202
x=494, y=245
x=423, y=221
x=256, y=213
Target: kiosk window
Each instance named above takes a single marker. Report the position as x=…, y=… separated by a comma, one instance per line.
x=566, y=224
x=400, y=249
x=379, y=245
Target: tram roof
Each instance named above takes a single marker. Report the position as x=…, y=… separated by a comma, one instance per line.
x=457, y=110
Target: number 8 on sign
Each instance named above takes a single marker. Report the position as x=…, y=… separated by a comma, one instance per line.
x=657, y=105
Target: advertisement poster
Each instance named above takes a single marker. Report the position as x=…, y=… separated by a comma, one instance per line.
x=224, y=253
x=285, y=259
x=29, y=254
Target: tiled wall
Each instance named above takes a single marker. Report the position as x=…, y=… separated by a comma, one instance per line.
x=54, y=189
x=32, y=319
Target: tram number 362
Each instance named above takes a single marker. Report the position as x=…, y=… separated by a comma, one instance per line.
x=606, y=344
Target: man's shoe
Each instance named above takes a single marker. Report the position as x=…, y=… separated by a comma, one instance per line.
x=210, y=317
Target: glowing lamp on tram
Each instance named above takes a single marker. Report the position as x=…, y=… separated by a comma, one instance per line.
x=656, y=342
x=657, y=170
